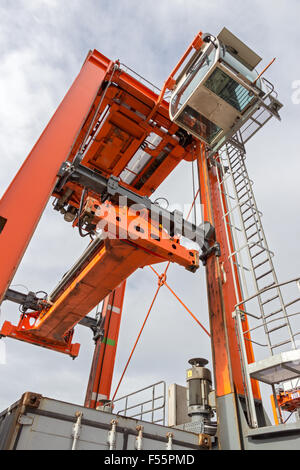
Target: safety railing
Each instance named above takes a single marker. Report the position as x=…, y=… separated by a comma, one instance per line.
x=259, y=328
x=150, y=405
x=264, y=323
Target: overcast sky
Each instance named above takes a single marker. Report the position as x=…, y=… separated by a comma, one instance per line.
x=43, y=44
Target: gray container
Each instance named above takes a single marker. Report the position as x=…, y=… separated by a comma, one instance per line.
x=36, y=422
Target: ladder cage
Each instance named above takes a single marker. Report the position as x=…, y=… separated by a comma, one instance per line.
x=273, y=321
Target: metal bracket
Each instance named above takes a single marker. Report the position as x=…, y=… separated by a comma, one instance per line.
x=25, y=420
x=28, y=301
x=173, y=222
x=214, y=249
x=205, y=441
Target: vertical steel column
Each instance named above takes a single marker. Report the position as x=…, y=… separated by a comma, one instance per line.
x=25, y=199
x=222, y=298
x=101, y=374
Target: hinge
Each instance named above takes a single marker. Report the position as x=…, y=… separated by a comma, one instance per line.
x=25, y=420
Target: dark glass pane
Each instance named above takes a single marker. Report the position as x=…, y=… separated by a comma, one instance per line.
x=228, y=89
x=199, y=124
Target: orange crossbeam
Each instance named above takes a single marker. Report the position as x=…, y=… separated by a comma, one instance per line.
x=142, y=243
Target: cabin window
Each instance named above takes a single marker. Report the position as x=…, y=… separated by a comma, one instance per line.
x=198, y=124
x=229, y=90
x=236, y=65
x=194, y=76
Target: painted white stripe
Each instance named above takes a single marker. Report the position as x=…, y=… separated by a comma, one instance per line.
x=98, y=397
x=114, y=309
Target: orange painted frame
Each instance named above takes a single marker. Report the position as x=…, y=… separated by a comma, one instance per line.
x=221, y=295
x=101, y=374
x=25, y=199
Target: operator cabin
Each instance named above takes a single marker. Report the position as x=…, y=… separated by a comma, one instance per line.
x=217, y=88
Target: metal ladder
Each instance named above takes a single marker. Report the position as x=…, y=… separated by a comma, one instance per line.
x=249, y=238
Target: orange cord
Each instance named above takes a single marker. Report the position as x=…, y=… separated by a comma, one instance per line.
x=161, y=282
x=182, y=303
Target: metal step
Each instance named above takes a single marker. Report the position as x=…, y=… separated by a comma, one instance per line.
x=257, y=254
x=253, y=234
x=281, y=344
x=273, y=313
x=241, y=189
x=264, y=274
x=277, y=328
x=270, y=300
x=248, y=218
x=261, y=264
x=250, y=226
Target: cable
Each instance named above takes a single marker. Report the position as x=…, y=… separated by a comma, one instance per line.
x=161, y=199
x=42, y=292
x=160, y=284
x=182, y=303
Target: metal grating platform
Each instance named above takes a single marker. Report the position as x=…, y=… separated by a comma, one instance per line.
x=277, y=368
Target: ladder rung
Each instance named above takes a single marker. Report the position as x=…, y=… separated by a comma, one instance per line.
x=281, y=344
x=250, y=226
x=267, y=287
x=240, y=182
x=231, y=156
x=231, y=149
x=234, y=160
x=236, y=164
x=251, y=207
x=240, y=172
x=276, y=328
x=270, y=300
x=239, y=175
x=248, y=218
x=261, y=264
x=245, y=194
x=264, y=275
x=244, y=212
x=273, y=313
x=257, y=254
x=253, y=234
x=246, y=202
x=241, y=189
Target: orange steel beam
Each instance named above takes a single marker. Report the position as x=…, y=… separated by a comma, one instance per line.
x=221, y=292
x=25, y=199
x=140, y=243
x=100, y=379
x=118, y=126
x=104, y=91
x=129, y=104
